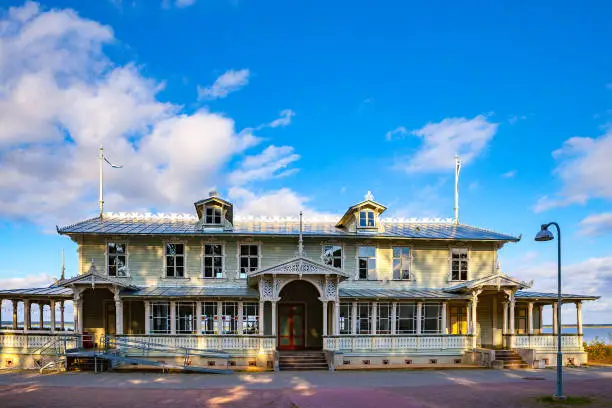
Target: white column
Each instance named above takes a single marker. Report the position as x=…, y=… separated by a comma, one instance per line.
x=474, y=315
x=555, y=311
x=354, y=318
x=239, y=327
x=52, y=317
x=62, y=327
x=373, y=315
x=260, y=322
x=198, y=306
x=274, y=317
x=511, y=322
x=26, y=315
x=219, y=317
x=41, y=322
x=469, y=317
x=147, y=317
x=505, y=319
x=579, y=317
x=444, y=326
x=118, y=315
x=15, y=304
x=324, y=317
x=419, y=313
x=530, y=317
x=336, y=318
x=172, y=317
x=80, y=317
x=394, y=318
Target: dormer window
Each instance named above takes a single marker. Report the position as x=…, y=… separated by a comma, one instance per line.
x=366, y=219
x=213, y=215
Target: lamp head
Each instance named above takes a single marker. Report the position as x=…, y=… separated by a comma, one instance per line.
x=544, y=234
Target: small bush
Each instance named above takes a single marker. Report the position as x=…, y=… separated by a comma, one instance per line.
x=598, y=350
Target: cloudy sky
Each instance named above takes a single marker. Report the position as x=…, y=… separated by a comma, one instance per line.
x=308, y=107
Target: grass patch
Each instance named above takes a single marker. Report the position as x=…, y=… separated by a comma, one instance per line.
x=568, y=402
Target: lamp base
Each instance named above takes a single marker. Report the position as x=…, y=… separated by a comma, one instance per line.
x=559, y=397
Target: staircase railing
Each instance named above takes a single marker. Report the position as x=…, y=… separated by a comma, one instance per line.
x=53, y=352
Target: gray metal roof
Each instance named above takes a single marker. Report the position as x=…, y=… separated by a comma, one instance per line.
x=521, y=294
x=384, y=293
x=51, y=291
x=413, y=230
x=185, y=292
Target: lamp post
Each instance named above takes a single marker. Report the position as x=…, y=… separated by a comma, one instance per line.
x=545, y=235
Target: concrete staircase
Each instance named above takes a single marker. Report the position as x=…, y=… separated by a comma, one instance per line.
x=302, y=361
x=510, y=359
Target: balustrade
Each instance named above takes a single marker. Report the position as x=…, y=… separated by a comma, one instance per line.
x=394, y=342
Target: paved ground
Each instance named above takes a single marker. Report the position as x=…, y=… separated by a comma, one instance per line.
x=359, y=389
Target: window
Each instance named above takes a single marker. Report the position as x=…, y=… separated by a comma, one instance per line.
x=364, y=322
x=332, y=255
x=229, y=314
x=250, y=318
x=160, y=317
x=367, y=262
x=117, y=259
x=366, y=219
x=213, y=260
x=401, y=263
x=521, y=320
x=406, y=318
x=213, y=215
x=431, y=318
x=175, y=260
x=209, y=312
x=383, y=318
x=345, y=318
x=458, y=319
x=249, y=259
x=185, y=318
x=459, y=264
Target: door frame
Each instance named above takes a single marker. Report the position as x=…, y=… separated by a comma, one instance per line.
x=304, y=325
x=105, y=313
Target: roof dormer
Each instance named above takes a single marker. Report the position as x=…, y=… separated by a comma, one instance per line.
x=214, y=211
x=363, y=216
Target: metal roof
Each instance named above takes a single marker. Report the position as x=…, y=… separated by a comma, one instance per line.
x=187, y=291
x=52, y=290
x=156, y=226
x=521, y=294
x=384, y=293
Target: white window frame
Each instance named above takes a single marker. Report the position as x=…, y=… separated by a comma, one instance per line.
x=393, y=258
x=399, y=317
x=367, y=211
x=254, y=317
x=214, y=208
x=346, y=321
x=259, y=256
x=233, y=321
x=178, y=318
x=152, y=317
x=127, y=257
x=165, y=267
x=437, y=318
x=222, y=259
x=459, y=250
x=358, y=318
x=213, y=316
x=388, y=318
x=333, y=244
x=375, y=257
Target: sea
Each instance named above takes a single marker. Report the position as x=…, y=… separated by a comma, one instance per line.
x=601, y=333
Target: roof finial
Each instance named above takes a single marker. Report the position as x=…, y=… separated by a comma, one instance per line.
x=369, y=196
x=62, y=277
x=300, y=241
x=457, y=169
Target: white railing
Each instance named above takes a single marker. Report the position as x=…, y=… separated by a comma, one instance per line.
x=27, y=341
x=211, y=342
x=548, y=342
x=395, y=342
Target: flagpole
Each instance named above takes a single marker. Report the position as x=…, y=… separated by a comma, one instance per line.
x=457, y=169
x=101, y=200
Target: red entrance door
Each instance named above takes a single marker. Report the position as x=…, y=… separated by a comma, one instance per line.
x=291, y=326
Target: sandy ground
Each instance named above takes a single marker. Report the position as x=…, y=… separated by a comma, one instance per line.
x=457, y=388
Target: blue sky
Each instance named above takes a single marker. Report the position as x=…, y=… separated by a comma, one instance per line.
x=308, y=106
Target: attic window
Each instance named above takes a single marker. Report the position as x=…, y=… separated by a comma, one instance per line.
x=213, y=215
x=366, y=219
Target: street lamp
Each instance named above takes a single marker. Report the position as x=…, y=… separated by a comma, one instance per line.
x=545, y=235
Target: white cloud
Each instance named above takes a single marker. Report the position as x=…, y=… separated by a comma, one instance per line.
x=396, y=133
x=177, y=3
x=230, y=81
x=271, y=163
x=584, y=168
x=283, y=120
x=61, y=97
x=597, y=224
x=509, y=174
x=30, y=281
x=442, y=140
x=590, y=277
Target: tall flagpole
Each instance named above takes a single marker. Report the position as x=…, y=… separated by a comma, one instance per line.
x=300, y=242
x=457, y=169
x=101, y=200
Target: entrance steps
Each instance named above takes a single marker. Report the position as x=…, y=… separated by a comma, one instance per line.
x=511, y=359
x=302, y=361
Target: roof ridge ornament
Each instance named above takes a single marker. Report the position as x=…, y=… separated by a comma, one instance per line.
x=369, y=196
